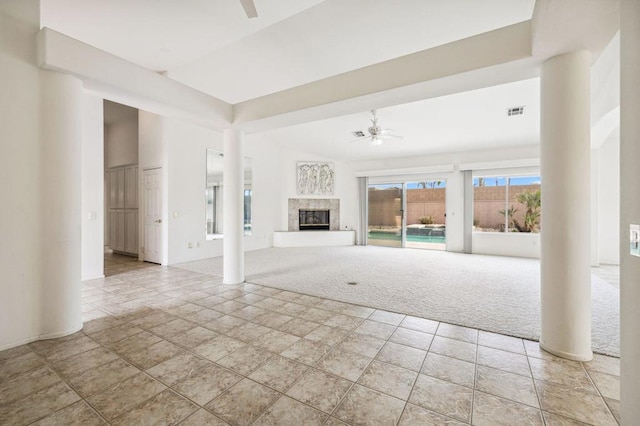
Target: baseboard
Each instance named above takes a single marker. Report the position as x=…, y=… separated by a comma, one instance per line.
x=566, y=355
x=41, y=337
x=97, y=277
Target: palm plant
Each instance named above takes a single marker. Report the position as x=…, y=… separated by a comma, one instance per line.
x=510, y=212
x=531, y=200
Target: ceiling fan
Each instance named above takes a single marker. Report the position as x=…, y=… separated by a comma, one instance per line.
x=249, y=8
x=376, y=133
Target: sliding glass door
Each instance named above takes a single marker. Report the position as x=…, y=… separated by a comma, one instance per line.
x=386, y=215
x=407, y=214
x=426, y=214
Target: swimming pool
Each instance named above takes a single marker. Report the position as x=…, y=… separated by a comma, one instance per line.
x=392, y=236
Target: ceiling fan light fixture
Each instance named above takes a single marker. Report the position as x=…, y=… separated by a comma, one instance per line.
x=375, y=134
x=375, y=141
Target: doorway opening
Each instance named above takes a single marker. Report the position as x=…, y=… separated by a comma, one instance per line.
x=407, y=214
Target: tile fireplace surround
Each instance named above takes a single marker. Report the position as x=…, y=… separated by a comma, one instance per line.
x=295, y=204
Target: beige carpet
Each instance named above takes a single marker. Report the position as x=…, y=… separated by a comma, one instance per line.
x=493, y=293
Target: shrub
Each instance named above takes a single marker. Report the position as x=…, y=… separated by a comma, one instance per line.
x=531, y=200
x=427, y=220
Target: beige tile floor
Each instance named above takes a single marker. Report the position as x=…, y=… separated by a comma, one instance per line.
x=165, y=346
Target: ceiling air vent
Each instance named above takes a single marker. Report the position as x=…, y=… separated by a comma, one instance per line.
x=515, y=111
x=358, y=133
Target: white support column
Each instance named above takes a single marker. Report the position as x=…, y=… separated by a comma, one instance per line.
x=565, y=171
x=60, y=180
x=233, y=219
x=629, y=210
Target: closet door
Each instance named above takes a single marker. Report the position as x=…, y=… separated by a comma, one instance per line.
x=120, y=189
x=113, y=189
x=131, y=226
x=131, y=187
x=121, y=227
x=113, y=229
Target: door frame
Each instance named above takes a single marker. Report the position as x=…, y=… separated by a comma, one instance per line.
x=403, y=181
x=142, y=220
x=403, y=205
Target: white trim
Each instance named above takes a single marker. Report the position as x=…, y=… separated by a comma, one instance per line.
x=508, y=172
x=41, y=337
x=445, y=168
x=94, y=277
x=504, y=164
x=567, y=355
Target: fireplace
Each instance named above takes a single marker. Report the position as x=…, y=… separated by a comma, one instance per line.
x=295, y=218
x=314, y=219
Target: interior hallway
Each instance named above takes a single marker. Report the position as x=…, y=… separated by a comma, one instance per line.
x=173, y=346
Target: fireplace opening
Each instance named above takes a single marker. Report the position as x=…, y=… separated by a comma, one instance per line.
x=314, y=220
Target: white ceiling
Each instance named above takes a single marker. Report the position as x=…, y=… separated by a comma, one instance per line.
x=212, y=46
x=337, y=36
x=162, y=34
x=465, y=121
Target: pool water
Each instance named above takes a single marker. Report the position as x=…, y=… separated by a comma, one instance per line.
x=392, y=236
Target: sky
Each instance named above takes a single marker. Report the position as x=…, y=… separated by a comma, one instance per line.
x=488, y=181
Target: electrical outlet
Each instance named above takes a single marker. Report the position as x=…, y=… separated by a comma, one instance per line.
x=190, y=245
x=198, y=244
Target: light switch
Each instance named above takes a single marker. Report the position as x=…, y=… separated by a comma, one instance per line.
x=175, y=215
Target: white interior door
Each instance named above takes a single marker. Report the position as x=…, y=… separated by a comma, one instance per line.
x=153, y=215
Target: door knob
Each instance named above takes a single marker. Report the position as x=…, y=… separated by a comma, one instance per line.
x=159, y=221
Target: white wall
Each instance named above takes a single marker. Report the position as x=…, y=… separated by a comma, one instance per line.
x=186, y=152
x=266, y=167
x=93, y=219
x=609, y=200
x=19, y=174
x=121, y=143
x=593, y=208
x=507, y=244
x=454, y=199
x=40, y=187
x=186, y=146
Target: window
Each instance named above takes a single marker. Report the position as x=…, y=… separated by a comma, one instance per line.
x=506, y=204
x=247, y=209
x=214, y=211
x=213, y=195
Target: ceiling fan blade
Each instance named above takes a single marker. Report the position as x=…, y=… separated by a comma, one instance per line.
x=390, y=136
x=361, y=138
x=249, y=8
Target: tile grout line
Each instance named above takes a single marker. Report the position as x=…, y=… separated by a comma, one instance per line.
x=475, y=377
x=184, y=298
x=418, y=376
x=535, y=387
x=355, y=382
x=62, y=379
x=604, y=401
